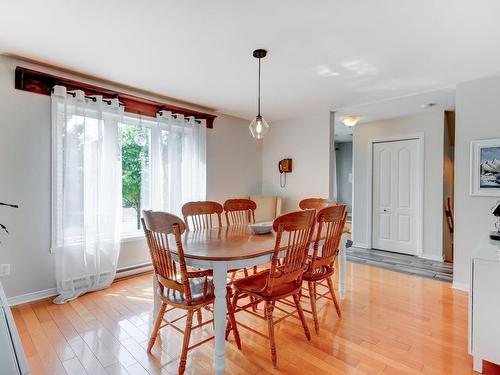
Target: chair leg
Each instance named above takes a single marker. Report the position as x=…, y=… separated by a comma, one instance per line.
x=199, y=316
x=312, y=298
x=156, y=327
x=301, y=316
x=232, y=321
x=236, y=296
x=270, y=325
x=332, y=292
x=185, y=342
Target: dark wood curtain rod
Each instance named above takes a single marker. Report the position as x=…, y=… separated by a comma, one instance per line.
x=42, y=83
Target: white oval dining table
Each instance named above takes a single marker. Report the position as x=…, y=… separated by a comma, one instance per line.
x=222, y=249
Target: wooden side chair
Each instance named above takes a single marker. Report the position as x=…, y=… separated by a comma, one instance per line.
x=239, y=211
x=321, y=265
x=315, y=203
x=182, y=289
x=202, y=214
x=284, y=278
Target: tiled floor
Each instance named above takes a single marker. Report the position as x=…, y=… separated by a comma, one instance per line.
x=402, y=263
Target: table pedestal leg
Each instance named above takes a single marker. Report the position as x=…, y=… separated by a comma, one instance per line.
x=220, y=280
x=342, y=266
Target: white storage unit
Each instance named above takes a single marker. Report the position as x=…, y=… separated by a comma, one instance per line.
x=484, y=305
x=12, y=360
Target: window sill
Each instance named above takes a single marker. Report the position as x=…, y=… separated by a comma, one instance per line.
x=131, y=237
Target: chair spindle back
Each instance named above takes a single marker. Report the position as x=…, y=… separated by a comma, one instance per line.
x=331, y=222
x=158, y=226
x=315, y=203
x=239, y=211
x=294, y=233
x=202, y=214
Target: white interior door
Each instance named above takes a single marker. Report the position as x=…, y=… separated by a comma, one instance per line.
x=396, y=206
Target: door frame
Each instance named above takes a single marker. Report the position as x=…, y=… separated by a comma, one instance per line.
x=420, y=137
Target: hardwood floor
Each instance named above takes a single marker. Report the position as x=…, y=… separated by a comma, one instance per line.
x=392, y=323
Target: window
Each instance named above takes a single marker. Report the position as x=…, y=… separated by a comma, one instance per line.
x=160, y=165
x=136, y=171
x=163, y=166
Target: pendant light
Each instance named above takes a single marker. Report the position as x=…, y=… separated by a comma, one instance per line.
x=259, y=127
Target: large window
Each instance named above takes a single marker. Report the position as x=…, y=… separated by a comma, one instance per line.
x=163, y=166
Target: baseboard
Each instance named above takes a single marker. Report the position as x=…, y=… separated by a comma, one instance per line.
x=133, y=270
x=44, y=294
x=361, y=245
x=437, y=258
x=30, y=297
x=464, y=287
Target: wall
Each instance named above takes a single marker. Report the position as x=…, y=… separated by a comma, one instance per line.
x=429, y=123
x=233, y=164
x=307, y=141
x=476, y=118
x=235, y=160
x=344, y=169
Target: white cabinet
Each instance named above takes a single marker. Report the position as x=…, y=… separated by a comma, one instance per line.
x=484, y=305
x=12, y=360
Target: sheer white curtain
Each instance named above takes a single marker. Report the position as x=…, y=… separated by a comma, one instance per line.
x=179, y=168
x=86, y=161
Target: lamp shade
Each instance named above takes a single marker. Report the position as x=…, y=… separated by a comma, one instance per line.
x=258, y=127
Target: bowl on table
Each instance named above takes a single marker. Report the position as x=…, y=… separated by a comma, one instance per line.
x=261, y=228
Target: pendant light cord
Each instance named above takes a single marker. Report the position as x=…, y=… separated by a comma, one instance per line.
x=259, y=92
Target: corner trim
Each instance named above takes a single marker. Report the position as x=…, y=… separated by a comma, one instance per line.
x=464, y=287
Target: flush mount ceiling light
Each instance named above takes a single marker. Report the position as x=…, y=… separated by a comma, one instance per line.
x=259, y=127
x=350, y=121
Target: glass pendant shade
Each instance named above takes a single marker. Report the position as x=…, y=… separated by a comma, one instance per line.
x=258, y=127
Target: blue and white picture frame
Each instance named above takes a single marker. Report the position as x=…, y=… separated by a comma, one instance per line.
x=485, y=168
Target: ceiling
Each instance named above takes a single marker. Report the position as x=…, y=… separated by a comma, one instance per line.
x=353, y=56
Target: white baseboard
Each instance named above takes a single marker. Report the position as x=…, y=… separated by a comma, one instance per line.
x=438, y=258
x=30, y=297
x=43, y=294
x=361, y=245
x=133, y=270
x=464, y=287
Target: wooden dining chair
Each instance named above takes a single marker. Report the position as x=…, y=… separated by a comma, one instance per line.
x=182, y=289
x=321, y=264
x=202, y=214
x=315, y=203
x=239, y=211
x=284, y=278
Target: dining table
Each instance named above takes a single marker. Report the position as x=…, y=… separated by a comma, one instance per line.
x=228, y=248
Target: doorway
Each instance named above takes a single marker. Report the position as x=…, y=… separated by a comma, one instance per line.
x=397, y=190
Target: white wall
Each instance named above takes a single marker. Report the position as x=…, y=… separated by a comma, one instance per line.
x=234, y=160
x=307, y=141
x=431, y=124
x=343, y=158
x=233, y=166
x=477, y=117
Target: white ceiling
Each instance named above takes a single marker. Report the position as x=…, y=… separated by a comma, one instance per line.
x=323, y=54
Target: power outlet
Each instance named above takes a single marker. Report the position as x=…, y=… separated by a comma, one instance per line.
x=4, y=269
